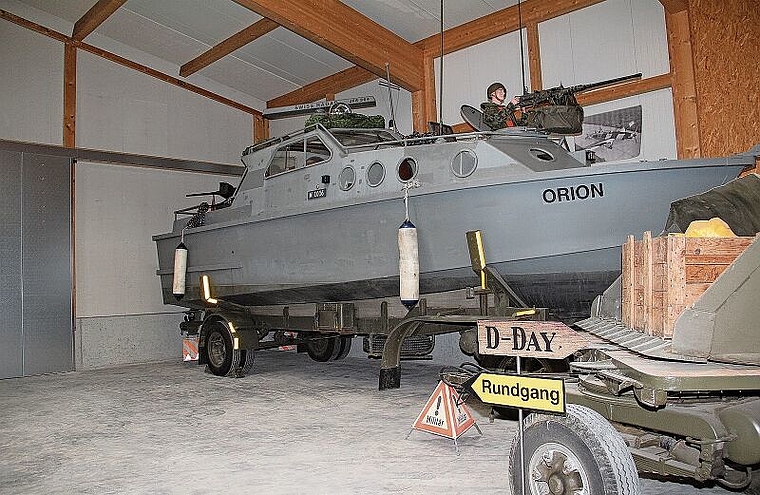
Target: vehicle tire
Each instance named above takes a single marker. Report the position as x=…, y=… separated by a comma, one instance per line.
x=246, y=357
x=580, y=453
x=221, y=357
x=323, y=349
x=345, y=347
x=754, y=486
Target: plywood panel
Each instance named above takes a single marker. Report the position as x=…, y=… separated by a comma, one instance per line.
x=725, y=41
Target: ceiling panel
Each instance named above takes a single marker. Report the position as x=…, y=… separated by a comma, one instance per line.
x=179, y=30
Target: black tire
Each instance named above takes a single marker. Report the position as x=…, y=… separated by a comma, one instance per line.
x=221, y=357
x=577, y=453
x=345, y=347
x=754, y=486
x=246, y=357
x=323, y=349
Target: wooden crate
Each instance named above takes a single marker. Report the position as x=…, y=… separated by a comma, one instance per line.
x=664, y=275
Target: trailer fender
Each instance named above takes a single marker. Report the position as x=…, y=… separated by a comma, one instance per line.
x=240, y=327
x=743, y=420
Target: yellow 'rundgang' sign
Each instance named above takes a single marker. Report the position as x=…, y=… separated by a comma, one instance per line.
x=540, y=394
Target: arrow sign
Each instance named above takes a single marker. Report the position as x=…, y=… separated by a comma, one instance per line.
x=538, y=339
x=520, y=391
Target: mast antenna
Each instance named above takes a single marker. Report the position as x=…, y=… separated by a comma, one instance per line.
x=522, y=50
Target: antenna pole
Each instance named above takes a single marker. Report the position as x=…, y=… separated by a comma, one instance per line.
x=390, y=95
x=522, y=51
x=440, y=90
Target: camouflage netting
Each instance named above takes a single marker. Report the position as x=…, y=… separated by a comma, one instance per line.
x=347, y=120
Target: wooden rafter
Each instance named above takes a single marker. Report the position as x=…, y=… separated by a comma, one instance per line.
x=237, y=40
x=344, y=31
x=340, y=81
x=457, y=38
x=499, y=23
x=94, y=17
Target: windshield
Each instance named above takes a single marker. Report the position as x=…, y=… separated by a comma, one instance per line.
x=357, y=137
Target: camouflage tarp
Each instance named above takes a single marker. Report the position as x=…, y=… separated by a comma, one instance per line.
x=558, y=119
x=347, y=120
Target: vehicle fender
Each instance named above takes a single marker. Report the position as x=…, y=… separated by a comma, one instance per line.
x=239, y=325
x=743, y=420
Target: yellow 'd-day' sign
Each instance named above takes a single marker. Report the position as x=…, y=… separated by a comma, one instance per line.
x=527, y=338
x=520, y=391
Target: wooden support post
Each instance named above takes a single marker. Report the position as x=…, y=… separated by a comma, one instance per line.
x=684, y=85
x=69, y=95
x=534, y=57
x=260, y=128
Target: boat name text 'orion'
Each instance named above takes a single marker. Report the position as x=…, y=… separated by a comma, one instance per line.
x=573, y=193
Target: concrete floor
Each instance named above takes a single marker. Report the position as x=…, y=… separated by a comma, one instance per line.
x=292, y=426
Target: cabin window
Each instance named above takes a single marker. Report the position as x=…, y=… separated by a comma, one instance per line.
x=297, y=154
x=541, y=154
x=407, y=169
x=464, y=163
x=347, y=178
x=375, y=174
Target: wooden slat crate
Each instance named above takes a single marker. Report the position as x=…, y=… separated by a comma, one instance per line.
x=664, y=275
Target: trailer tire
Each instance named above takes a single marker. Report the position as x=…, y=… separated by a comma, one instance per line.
x=345, y=347
x=246, y=357
x=577, y=453
x=323, y=349
x=754, y=486
x=221, y=357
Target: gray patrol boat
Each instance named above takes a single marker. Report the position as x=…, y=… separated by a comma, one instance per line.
x=316, y=213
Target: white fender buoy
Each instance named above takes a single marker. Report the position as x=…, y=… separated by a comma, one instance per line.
x=408, y=265
x=180, y=270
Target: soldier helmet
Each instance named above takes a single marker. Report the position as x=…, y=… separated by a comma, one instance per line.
x=493, y=87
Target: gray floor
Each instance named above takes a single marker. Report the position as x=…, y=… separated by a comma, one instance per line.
x=293, y=426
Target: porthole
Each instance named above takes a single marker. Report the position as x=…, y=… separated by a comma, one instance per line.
x=375, y=174
x=346, y=179
x=464, y=163
x=407, y=169
x=541, y=154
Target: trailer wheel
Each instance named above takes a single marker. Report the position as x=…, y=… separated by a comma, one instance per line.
x=222, y=358
x=345, y=347
x=323, y=349
x=580, y=453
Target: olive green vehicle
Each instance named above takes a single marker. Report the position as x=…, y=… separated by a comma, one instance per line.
x=685, y=407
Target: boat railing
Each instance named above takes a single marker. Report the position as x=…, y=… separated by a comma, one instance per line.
x=414, y=139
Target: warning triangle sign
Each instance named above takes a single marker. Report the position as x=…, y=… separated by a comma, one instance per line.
x=444, y=414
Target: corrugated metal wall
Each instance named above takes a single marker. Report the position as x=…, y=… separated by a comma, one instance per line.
x=35, y=264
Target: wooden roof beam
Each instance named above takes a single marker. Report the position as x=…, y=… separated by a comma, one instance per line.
x=499, y=23
x=335, y=26
x=237, y=40
x=340, y=81
x=94, y=17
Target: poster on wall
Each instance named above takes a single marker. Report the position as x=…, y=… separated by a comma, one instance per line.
x=614, y=135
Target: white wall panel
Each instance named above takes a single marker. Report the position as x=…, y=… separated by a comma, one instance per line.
x=118, y=209
x=123, y=110
x=467, y=73
x=609, y=39
x=31, y=86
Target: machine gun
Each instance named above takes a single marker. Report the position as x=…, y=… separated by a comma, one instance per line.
x=556, y=110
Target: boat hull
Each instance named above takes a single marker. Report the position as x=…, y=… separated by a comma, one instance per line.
x=554, y=237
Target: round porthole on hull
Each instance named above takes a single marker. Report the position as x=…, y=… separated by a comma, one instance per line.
x=406, y=169
x=346, y=179
x=464, y=163
x=375, y=174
